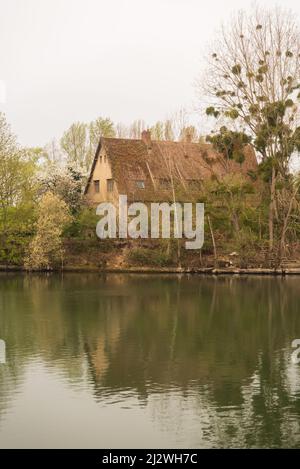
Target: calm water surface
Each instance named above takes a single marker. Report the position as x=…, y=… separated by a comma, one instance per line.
x=149, y=361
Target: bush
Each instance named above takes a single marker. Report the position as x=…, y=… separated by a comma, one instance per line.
x=84, y=225
x=13, y=248
x=149, y=257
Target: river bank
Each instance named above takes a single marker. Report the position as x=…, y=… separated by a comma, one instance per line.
x=158, y=257
x=160, y=270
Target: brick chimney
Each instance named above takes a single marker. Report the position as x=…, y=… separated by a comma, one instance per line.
x=146, y=138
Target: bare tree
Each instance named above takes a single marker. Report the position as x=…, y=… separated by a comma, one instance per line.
x=136, y=129
x=253, y=80
x=122, y=130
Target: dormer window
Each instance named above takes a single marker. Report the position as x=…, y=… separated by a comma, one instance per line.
x=140, y=184
x=164, y=183
x=195, y=184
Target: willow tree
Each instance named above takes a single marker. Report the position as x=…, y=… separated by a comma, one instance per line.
x=253, y=83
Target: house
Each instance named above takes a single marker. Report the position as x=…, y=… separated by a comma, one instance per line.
x=147, y=170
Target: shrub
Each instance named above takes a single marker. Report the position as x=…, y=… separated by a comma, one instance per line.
x=149, y=257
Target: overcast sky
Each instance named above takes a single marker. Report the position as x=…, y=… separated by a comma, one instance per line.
x=68, y=60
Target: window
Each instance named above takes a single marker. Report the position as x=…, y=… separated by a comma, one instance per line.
x=97, y=186
x=140, y=184
x=194, y=184
x=110, y=185
x=164, y=183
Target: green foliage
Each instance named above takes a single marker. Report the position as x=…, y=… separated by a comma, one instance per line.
x=230, y=143
x=232, y=113
x=18, y=191
x=149, y=257
x=236, y=69
x=75, y=145
x=80, y=141
x=257, y=76
x=247, y=246
x=157, y=131
x=13, y=248
x=101, y=127
x=263, y=69
x=18, y=231
x=211, y=111
x=46, y=248
x=83, y=225
x=190, y=132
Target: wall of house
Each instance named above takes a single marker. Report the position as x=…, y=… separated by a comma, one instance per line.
x=102, y=172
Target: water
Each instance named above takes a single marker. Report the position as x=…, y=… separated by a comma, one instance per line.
x=149, y=361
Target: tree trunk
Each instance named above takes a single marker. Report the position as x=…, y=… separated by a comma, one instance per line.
x=285, y=224
x=271, y=211
x=200, y=256
x=235, y=222
x=178, y=253
x=213, y=240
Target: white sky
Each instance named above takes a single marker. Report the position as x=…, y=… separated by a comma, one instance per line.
x=68, y=60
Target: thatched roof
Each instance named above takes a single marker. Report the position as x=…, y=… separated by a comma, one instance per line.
x=154, y=162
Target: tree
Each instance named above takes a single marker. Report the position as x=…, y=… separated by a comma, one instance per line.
x=8, y=144
x=17, y=171
x=122, y=130
x=52, y=153
x=46, y=249
x=179, y=122
x=66, y=183
x=74, y=142
x=163, y=130
x=190, y=132
x=168, y=130
x=101, y=127
x=253, y=82
x=136, y=129
x=80, y=142
x=157, y=131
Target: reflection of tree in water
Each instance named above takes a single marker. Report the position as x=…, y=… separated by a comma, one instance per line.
x=222, y=339
x=215, y=346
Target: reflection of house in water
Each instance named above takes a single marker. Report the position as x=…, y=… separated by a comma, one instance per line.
x=155, y=332
x=212, y=348
x=100, y=350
